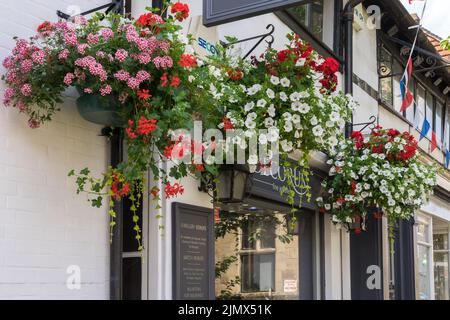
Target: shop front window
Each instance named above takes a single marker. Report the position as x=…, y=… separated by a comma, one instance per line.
x=310, y=15
x=441, y=265
x=258, y=257
x=424, y=259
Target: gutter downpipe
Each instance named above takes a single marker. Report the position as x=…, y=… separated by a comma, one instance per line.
x=347, y=19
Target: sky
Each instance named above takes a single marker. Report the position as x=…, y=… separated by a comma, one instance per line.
x=437, y=15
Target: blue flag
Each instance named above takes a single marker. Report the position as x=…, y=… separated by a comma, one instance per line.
x=425, y=128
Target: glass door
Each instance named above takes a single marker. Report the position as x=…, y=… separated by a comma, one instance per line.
x=441, y=264
x=424, y=262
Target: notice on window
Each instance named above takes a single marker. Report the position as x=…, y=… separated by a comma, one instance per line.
x=290, y=286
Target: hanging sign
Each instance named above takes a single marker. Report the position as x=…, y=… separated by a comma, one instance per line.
x=219, y=11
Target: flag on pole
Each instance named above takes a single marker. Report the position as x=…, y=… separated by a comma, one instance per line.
x=447, y=140
x=425, y=129
x=407, y=96
x=433, y=141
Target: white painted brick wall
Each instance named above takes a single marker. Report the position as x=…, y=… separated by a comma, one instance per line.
x=44, y=226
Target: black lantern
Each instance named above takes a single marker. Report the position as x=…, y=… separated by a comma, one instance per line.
x=231, y=184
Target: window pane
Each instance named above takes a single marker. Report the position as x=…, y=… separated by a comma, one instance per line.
x=268, y=235
x=439, y=128
x=132, y=278
x=422, y=232
x=310, y=16
x=429, y=112
x=396, y=88
x=447, y=129
x=420, y=108
x=440, y=241
x=441, y=272
x=424, y=273
x=258, y=272
x=248, y=232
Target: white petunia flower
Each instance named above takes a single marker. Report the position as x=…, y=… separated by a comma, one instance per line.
x=250, y=124
x=295, y=96
x=261, y=103
x=296, y=106
x=304, y=108
x=270, y=93
x=249, y=106
x=318, y=131
x=287, y=116
x=269, y=122
x=283, y=96
x=285, y=82
x=333, y=141
x=275, y=80
x=335, y=117
x=271, y=110
x=288, y=126
x=296, y=119
x=273, y=134
x=286, y=146
x=300, y=62
x=314, y=121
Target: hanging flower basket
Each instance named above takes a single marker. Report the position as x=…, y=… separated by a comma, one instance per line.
x=100, y=110
x=380, y=174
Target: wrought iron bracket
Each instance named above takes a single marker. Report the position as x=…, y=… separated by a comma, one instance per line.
x=116, y=6
x=364, y=125
x=269, y=36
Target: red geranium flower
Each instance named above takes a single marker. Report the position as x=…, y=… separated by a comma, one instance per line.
x=199, y=168
x=119, y=187
x=188, y=60
x=330, y=66
x=235, y=75
x=146, y=126
x=44, y=27
x=164, y=80
x=282, y=55
x=377, y=149
x=129, y=131
x=180, y=10
x=357, y=135
x=144, y=94
x=149, y=19
x=227, y=124
x=173, y=191
x=175, y=81
x=393, y=133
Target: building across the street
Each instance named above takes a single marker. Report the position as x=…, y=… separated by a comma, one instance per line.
x=48, y=234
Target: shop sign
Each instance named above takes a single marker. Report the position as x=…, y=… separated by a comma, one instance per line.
x=219, y=11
